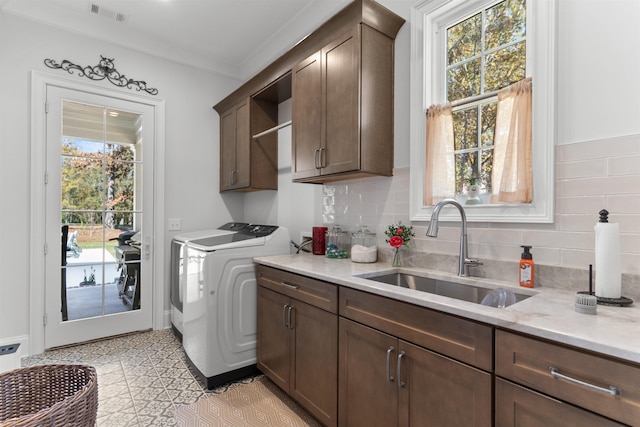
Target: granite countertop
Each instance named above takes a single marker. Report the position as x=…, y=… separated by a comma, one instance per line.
x=549, y=313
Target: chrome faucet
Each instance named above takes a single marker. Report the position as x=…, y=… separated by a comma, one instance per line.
x=464, y=262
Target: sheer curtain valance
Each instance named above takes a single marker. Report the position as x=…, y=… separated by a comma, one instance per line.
x=512, y=177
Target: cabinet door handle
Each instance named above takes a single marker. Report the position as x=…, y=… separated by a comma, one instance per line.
x=323, y=158
x=284, y=316
x=612, y=390
x=401, y=383
x=287, y=285
x=231, y=177
x=316, y=158
x=389, y=351
x=289, y=310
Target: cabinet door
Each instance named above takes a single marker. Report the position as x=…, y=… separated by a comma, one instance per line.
x=227, y=148
x=518, y=406
x=234, y=147
x=242, y=178
x=306, y=117
x=314, y=376
x=341, y=90
x=437, y=391
x=367, y=392
x=273, y=337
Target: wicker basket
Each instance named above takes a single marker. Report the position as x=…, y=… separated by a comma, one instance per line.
x=49, y=395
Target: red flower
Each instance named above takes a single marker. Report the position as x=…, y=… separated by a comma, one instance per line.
x=400, y=230
x=396, y=241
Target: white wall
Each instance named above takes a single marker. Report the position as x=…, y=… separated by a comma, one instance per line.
x=598, y=62
x=192, y=149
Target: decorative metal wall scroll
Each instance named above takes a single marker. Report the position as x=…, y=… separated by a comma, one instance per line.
x=104, y=69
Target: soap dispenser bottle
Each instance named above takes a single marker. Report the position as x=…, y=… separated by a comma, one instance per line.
x=526, y=268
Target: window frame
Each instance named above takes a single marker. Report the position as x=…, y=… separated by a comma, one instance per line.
x=428, y=85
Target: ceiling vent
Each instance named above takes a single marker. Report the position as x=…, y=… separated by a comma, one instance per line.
x=107, y=13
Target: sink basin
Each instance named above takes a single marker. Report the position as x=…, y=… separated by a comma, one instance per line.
x=493, y=297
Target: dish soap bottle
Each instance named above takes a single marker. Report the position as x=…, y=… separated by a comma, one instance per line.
x=526, y=268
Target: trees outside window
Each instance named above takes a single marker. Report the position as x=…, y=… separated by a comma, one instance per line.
x=484, y=53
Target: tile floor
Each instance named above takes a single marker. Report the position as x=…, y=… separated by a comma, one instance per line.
x=142, y=378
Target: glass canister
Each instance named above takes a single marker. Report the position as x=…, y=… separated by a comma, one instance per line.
x=363, y=246
x=337, y=243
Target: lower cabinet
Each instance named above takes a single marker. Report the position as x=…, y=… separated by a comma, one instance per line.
x=298, y=342
x=519, y=406
x=589, y=383
x=352, y=359
x=386, y=381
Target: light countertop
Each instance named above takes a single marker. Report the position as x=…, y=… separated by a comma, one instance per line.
x=548, y=313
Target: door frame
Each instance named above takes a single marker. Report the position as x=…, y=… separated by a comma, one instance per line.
x=39, y=83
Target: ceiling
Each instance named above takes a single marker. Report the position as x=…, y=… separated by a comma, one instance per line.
x=233, y=37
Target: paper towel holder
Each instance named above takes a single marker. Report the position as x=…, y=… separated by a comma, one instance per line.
x=617, y=302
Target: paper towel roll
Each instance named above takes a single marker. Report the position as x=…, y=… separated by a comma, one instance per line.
x=608, y=276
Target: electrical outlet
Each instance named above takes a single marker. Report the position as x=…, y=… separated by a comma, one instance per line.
x=174, y=224
x=8, y=349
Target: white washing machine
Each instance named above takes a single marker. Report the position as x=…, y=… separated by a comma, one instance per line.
x=220, y=302
x=177, y=273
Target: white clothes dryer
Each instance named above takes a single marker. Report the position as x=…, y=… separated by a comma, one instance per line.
x=220, y=302
x=177, y=268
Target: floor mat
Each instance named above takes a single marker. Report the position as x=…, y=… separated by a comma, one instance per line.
x=259, y=403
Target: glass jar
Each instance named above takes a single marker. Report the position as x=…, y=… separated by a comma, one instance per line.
x=363, y=246
x=337, y=243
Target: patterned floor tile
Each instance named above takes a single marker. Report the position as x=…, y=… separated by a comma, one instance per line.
x=142, y=378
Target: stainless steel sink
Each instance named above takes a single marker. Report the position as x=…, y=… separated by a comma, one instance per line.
x=493, y=297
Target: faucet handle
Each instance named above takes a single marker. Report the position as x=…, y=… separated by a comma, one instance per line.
x=472, y=262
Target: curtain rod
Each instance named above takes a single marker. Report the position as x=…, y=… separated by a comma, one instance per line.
x=472, y=99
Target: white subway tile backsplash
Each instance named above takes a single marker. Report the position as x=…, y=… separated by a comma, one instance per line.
x=627, y=165
x=581, y=169
x=581, y=222
x=582, y=204
x=628, y=184
x=619, y=146
x=559, y=239
x=623, y=203
x=590, y=176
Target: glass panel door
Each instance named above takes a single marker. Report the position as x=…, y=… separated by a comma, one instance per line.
x=99, y=164
x=96, y=190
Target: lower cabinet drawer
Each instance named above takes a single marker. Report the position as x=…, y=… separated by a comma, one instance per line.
x=464, y=340
x=518, y=406
x=602, y=385
x=306, y=289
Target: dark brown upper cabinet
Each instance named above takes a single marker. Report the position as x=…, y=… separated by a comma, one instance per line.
x=342, y=109
x=340, y=79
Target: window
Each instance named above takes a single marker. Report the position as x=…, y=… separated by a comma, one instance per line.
x=484, y=53
x=464, y=52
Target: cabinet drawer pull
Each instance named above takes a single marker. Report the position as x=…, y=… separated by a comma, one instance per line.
x=612, y=391
x=285, y=284
x=284, y=315
x=389, y=351
x=290, y=325
x=401, y=383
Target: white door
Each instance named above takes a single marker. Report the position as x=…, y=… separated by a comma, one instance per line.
x=99, y=187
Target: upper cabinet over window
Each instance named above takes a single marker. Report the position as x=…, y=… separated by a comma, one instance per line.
x=483, y=108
